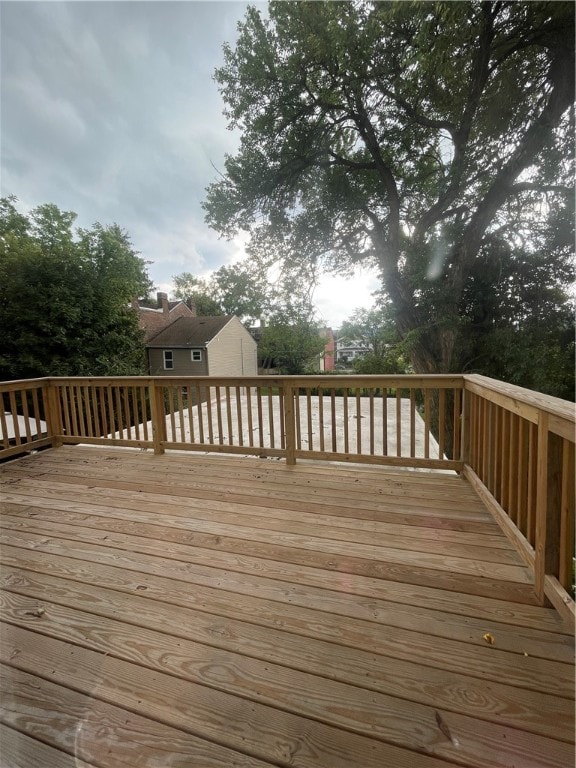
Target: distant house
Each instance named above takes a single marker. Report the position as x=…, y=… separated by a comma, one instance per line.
x=178, y=343
x=154, y=319
x=202, y=346
x=348, y=350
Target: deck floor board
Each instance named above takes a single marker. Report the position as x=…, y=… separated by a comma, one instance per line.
x=253, y=614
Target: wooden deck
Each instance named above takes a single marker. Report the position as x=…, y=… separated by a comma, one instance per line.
x=194, y=611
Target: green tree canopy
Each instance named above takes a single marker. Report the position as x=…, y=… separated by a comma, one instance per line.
x=517, y=321
x=189, y=287
x=291, y=340
x=241, y=289
x=415, y=137
x=375, y=328
x=65, y=296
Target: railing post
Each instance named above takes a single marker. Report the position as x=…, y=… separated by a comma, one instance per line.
x=289, y=424
x=158, y=417
x=53, y=414
x=548, y=500
x=465, y=436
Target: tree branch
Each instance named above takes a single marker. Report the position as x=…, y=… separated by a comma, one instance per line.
x=561, y=74
x=368, y=134
x=480, y=74
x=527, y=186
x=417, y=116
x=339, y=160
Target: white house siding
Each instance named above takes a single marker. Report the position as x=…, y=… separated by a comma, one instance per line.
x=232, y=352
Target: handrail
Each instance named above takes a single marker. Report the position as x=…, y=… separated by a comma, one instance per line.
x=515, y=446
x=24, y=425
x=519, y=454
x=371, y=419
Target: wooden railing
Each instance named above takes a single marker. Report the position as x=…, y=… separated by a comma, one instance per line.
x=514, y=445
x=518, y=452
x=403, y=421
x=23, y=417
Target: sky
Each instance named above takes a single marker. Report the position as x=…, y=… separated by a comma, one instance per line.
x=109, y=109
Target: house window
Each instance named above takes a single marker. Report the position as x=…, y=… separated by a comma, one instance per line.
x=196, y=355
x=168, y=360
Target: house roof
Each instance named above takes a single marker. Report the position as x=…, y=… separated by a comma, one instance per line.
x=345, y=341
x=189, y=332
x=155, y=319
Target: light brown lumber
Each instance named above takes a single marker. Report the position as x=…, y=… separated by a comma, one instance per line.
x=450, y=502
x=508, y=527
x=405, y=693
x=426, y=618
x=560, y=599
x=18, y=750
x=354, y=529
x=235, y=723
x=277, y=735
x=451, y=508
x=384, y=511
x=482, y=660
x=510, y=582
x=133, y=606
x=454, y=604
x=441, y=486
x=169, y=528
x=438, y=489
x=409, y=494
x=80, y=723
x=334, y=474
x=518, y=399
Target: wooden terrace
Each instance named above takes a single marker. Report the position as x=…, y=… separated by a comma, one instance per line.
x=390, y=605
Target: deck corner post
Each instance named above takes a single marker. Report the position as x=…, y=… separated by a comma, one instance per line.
x=53, y=414
x=548, y=492
x=289, y=424
x=158, y=418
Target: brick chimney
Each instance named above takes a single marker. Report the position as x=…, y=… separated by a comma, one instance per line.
x=192, y=306
x=162, y=299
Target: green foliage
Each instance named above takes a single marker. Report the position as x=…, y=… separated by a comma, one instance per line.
x=518, y=319
x=407, y=136
x=292, y=346
x=65, y=296
x=376, y=330
x=373, y=327
x=188, y=287
x=239, y=289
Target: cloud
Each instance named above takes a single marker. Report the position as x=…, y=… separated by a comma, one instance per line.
x=336, y=297
x=110, y=110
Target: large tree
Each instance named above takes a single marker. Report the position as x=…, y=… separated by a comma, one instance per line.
x=411, y=136
x=291, y=346
x=65, y=296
